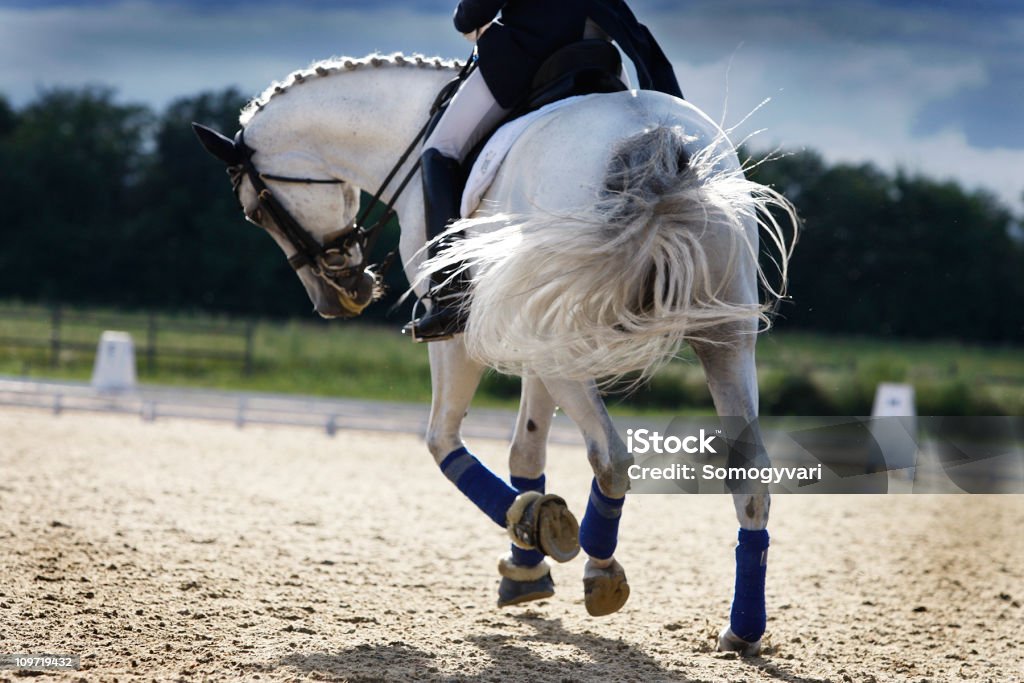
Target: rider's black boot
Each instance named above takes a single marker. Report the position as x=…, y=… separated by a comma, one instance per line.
x=442, y=195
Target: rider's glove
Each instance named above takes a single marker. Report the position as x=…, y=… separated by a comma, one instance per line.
x=474, y=36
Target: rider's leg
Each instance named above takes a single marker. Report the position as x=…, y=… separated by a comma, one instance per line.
x=471, y=114
x=442, y=192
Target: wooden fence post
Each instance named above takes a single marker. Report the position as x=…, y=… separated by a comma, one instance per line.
x=151, y=343
x=250, y=328
x=55, y=315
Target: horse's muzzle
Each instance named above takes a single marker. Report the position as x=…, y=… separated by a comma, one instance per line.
x=356, y=294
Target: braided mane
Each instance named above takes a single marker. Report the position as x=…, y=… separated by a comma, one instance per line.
x=336, y=65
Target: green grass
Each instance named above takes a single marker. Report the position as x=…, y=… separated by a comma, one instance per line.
x=949, y=377
x=799, y=374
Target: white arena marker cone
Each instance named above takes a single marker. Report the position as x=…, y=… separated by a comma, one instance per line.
x=894, y=400
x=114, y=369
x=897, y=438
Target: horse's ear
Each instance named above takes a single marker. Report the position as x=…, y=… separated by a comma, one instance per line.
x=218, y=145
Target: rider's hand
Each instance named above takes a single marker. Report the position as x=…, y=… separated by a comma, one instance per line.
x=474, y=36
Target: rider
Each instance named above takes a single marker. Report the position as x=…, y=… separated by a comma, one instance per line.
x=510, y=49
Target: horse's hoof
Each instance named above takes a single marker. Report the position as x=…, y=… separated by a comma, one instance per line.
x=605, y=589
x=521, y=584
x=512, y=592
x=730, y=642
x=544, y=522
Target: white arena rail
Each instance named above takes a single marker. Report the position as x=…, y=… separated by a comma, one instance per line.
x=242, y=408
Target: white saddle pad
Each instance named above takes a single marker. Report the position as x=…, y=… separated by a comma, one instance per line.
x=487, y=164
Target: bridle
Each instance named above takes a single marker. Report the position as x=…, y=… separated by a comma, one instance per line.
x=323, y=259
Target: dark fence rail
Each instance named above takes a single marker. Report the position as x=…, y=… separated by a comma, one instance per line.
x=158, y=338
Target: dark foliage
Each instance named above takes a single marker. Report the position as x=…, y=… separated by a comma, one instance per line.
x=109, y=203
x=898, y=255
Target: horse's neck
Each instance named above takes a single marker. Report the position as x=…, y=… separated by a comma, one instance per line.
x=354, y=123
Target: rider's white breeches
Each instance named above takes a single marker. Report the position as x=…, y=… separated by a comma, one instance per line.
x=472, y=114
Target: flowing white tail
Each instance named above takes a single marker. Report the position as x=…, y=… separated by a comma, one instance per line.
x=616, y=287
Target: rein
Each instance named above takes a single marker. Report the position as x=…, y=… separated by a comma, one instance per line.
x=309, y=251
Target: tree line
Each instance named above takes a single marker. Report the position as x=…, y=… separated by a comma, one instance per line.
x=894, y=254
x=114, y=204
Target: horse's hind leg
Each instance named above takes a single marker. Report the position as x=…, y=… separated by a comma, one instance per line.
x=732, y=379
x=525, y=576
x=605, y=587
x=531, y=519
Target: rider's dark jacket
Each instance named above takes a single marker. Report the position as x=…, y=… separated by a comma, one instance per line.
x=529, y=31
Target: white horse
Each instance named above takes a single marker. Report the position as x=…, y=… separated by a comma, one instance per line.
x=617, y=227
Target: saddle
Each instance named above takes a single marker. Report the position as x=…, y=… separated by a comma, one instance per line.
x=583, y=68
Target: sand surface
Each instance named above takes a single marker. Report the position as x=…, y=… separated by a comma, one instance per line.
x=196, y=551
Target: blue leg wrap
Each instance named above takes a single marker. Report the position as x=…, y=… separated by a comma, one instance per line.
x=489, y=491
x=748, y=618
x=599, y=532
x=527, y=558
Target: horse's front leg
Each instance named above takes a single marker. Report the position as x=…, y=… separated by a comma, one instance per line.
x=525, y=576
x=604, y=580
x=732, y=378
x=533, y=520
x=454, y=378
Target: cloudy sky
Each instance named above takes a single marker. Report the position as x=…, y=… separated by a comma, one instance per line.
x=935, y=86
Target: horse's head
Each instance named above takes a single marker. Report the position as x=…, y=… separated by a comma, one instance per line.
x=311, y=216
